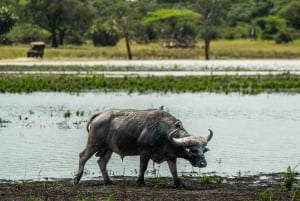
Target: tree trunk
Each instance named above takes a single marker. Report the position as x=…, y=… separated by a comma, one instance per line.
x=61, y=37
x=54, y=38
x=206, y=41
x=127, y=40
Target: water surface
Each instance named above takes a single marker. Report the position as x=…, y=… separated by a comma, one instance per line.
x=252, y=134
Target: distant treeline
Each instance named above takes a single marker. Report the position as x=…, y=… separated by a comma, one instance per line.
x=176, y=22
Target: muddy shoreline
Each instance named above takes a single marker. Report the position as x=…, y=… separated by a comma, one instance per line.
x=161, y=188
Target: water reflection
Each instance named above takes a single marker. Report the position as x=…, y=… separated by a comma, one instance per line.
x=252, y=133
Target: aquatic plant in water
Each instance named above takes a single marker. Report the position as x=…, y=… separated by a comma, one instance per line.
x=285, y=82
x=288, y=180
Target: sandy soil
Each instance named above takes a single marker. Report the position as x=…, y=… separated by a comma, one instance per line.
x=124, y=188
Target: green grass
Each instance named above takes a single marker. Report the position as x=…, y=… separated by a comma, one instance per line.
x=220, y=49
x=288, y=83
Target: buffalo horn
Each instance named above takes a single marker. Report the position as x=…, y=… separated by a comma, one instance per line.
x=179, y=141
x=208, y=138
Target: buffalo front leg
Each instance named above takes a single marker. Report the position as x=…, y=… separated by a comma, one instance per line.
x=84, y=156
x=144, y=159
x=102, y=163
x=173, y=170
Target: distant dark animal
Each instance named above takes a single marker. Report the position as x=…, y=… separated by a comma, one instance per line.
x=152, y=134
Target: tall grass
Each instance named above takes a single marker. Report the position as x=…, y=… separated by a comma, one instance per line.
x=220, y=84
x=220, y=49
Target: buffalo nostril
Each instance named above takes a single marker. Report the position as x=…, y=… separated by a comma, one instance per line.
x=203, y=164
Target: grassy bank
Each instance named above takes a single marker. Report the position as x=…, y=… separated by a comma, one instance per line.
x=220, y=84
x=221, y=49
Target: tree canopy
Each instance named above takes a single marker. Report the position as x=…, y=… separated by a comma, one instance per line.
x=71, y=21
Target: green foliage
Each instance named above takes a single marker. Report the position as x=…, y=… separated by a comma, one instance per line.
x=105, y=34
x=271, y=25
x=57, y=17
x=288, y=180
x=241, y=30
x=7, y=19
x=31, y=199
x=284, y=36
x=26, y=33
x=291, y=12
x=210, y=180
x=267, y=195
x=67, y=114
x=225, y=84
x=239, y=12
x=111, y=197
x=178, y=24
x=75, y=39
x=84, y=199
x=171, y=15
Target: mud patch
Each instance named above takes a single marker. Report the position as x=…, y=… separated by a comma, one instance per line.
x=124, y=188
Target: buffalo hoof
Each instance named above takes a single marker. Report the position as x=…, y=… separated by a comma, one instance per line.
x=108, y=183
x=76, y=180
x=140, y=182
x=178, y=184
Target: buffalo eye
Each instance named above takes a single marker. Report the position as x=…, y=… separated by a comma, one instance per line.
x=194, y=151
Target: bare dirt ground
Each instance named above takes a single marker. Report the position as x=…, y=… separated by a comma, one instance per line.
x=124, y=188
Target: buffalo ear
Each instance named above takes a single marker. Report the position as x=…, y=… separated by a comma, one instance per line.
x=178, y=124
x=206, y=150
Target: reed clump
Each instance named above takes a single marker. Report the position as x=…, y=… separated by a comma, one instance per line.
x=17, y=83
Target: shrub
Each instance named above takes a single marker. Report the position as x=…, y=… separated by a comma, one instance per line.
x=25, y=33
x=105, y=35
x=75, y=39
x=266, y=195
x=270, y=25
x=288, y=180
x=283, y=37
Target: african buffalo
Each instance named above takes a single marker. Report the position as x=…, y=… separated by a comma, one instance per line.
x=152, y=134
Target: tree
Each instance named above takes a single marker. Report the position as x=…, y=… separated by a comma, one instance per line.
x=57, y=17
x=176, y=24
x=271, y=25
x=105, y=34
x=291, y=12
x=240, y=12
x=211, y=13
x=119, y=12
x=7, y=20
x=262, y=8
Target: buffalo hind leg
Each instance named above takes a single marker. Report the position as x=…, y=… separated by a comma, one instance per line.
x=173, y=170
x=84, y=156
x=102, y=163
x=144, y=159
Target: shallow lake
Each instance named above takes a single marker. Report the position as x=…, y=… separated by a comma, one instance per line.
x=41, y=134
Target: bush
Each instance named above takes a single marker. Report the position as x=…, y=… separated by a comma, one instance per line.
x=266, y=195
x=75, y=39
x=26, y=33
x=241, y=30
x=270, y=26
x=4, y=40
x=105, y=35
x=283, y=37
x=288, y=180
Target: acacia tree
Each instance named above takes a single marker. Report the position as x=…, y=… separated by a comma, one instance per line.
x=176, y=24
x=212, y=11
x=121, y=14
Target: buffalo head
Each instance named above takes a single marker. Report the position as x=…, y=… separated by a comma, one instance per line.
x=194, y=147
